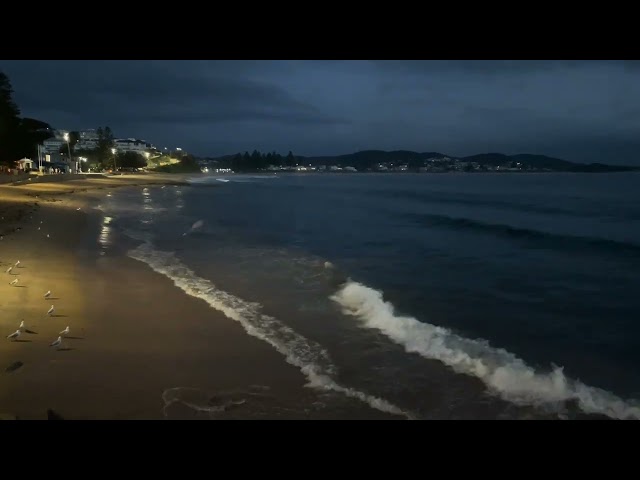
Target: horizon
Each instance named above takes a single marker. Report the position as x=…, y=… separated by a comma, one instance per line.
x=579, y=111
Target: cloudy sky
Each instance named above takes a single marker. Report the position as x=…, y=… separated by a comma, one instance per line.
x=577, y=110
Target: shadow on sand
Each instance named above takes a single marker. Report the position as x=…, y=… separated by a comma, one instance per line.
x=51, y=415
x=74, y=338
x=65, y=349
x=31, y=332
x=22, y=341
x=58, y=316
x=14, y=366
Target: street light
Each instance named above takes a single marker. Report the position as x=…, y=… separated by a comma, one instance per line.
x=66, y=139
x=113, y=151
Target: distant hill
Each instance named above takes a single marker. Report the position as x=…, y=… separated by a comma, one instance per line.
x=371, y=159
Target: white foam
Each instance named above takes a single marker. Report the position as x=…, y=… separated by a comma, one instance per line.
x=503, y=373
x=299, y=351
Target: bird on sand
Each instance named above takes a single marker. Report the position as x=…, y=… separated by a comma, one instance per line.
x=17, y=263
x=51, y=310
x=13, y=282
x=48, y=294
x=22, y=326
x=9, y=269
x=14, y=336
x=57, y=343
x=65, y=331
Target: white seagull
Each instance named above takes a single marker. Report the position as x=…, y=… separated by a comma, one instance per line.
x=65, y=331
x=48, y=294
x=17, y=263
x=13, y=282
x=51, y=310
x=14, y=335
x=9, y=269
x=22, y=325
x=57, y=343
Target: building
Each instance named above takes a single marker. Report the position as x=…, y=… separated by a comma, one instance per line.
x=52, y=146
x=132, y=145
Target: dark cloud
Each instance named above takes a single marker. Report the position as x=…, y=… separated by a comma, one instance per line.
x=499, y=67
x=577, y=109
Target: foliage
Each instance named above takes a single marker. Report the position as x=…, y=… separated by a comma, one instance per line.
x=130, y=160
x=19, y=137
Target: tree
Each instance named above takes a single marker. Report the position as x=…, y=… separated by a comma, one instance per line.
x=105, y=144
x=189, y=160
x=74, y=138
x=290, y=161
x=29, y=134
x=9, y=121
x=131, y=160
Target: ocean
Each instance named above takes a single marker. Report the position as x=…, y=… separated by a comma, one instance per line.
x=446, y=296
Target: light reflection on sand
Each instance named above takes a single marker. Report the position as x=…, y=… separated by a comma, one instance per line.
x=105, y=233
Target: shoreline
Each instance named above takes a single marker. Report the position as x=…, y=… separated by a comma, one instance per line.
x=141, y=348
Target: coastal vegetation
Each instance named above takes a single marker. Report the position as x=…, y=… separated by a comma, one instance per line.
x=19, y=136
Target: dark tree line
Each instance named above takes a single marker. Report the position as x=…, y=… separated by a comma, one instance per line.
x=259, y=161
x=19, y=137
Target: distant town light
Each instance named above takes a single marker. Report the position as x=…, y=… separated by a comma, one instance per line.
x=113, y=150
x=66, y=137
x=178, y=149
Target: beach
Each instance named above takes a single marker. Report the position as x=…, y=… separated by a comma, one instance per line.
x=138, y=348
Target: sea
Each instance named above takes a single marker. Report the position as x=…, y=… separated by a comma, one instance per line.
x=421, y=296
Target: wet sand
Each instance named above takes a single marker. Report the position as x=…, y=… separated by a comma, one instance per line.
x=136, y=342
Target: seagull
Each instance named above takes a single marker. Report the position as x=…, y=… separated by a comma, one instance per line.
x=22, y=325
x=17, y=263
x=48, y=294
x=65, y=331
x=13, y=282
x=57, y=343
x=78, y=209
x=14, y=335
x=51, y=310
x=9, y=269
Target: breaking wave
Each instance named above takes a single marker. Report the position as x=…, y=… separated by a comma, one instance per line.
x=502, y=372
x=312, y=360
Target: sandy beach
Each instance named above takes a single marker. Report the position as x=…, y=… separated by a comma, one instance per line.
x=136, y=344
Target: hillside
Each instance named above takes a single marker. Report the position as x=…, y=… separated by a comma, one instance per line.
x=367, y=160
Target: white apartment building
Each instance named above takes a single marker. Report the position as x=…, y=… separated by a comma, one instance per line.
x=131, y=145
x=88, y=140
x=52, y=145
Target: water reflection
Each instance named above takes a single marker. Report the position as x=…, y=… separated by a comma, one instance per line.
x=105, y=234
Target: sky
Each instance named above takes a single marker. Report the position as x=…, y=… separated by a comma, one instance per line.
x=583, y=111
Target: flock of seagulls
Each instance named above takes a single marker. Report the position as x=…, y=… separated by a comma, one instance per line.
x=57, y=343
x=16, y=335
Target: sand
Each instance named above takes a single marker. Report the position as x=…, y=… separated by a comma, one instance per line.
x=136, y=342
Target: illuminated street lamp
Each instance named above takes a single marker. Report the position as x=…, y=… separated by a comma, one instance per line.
x=66, y=139
x=113, y=151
